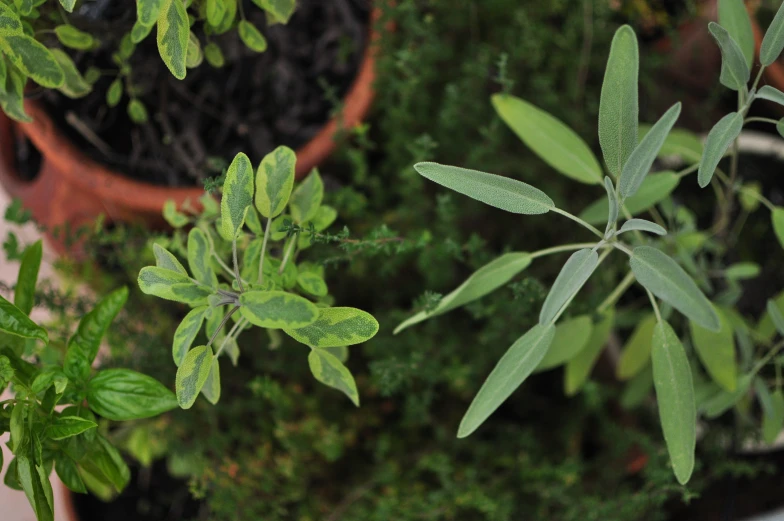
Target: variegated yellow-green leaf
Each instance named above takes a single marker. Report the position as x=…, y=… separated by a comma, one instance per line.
x=74, y=86
x=637, y=351
x=312, y=283
x=325, y=216
x=173, y=31
x=777, y=218
x=579, y=368
x=12, y=99
x=306, y=199
x=237, y=196
x=191, y=294
x=199, y=254
x=212, y=387
x=279, y=11
x=336, y=327
x=166, y=260
x=9, y=21
x=137, y=111
x=716, y=350
x=173, y=216
x=675, y=395
x=33, y=59
x=571, y=337
x=275, y=180
x=509, y=373
x=251, y=36
x=193, y=56
x=140, y=31
x=192, y=375
x=215, y=10
x=554, y=142
x=68, y=5
x=186, y=333
x=214, y=55
x=618, y=106
x=170, y=285
x=288, y=279
x=277, y=309
x=147, y=11
x=253, y=223
x=72, y=37
x=327, y=369
x=483, y=281
x=250, y=259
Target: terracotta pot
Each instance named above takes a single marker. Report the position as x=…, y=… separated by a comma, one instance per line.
x=72, y=188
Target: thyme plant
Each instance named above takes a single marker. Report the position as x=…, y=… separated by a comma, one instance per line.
x=655, y=354
x=261, y=281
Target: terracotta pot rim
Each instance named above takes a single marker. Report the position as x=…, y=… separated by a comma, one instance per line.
x=111, y=186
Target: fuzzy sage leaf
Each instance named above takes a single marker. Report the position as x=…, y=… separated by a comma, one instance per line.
x=173, y=33
x=773, y=41
x=571, y=337
x=735, y=18
x=327, y=369
x=718, y=141
x=716, y=351
x=192, y=375
x=237, y=196
x=734, y=69
x=274, y=181
x=769, y=93
x=336, y=327
x=306, y=199
x=573, y=275
x=637, y=351
x=186, y=333
x=642, y=225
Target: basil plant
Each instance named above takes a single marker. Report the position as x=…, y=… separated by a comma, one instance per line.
x=51, y=413
x=242, y=273
x=727, y=356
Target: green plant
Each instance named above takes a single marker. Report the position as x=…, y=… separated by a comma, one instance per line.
x=67, y=438
x=267, y=289
x=29, y=29
x=655, y=355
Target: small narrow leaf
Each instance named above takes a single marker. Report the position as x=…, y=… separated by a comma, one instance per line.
x=734, y=69
x=554, y=142
x=306, y=199
x=777, y=218
x=570, y=338
x=237, y=196
x=573, y=275
x=336, y=327
x=192, y=375
x=655, y=188
x=663, y=277
x=483, y=281
x=675, y=395
x=716, y=350
x=274, y=181
x=718, y=141
x=769, y=93
x=509, y=373
x=24, y=293
x=612, y=199
x=680, y=143
x=776, y=316
x=251, y=36
x=618, y=105
x=199, y=253
x=36, y=486
x=186, y=333
x=637, y=351
x=173, y=31
x=642, y=225
x=72, y=37
x=277, y=309
x=327, y=369
x=773, y=42
x=641, y=159
x=735, y=18
x=311, y=283
x=742, y=271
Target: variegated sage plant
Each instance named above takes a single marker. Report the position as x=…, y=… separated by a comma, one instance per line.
x=244, y=271
x=738, y=353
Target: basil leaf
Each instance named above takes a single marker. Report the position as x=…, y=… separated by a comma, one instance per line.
x=16, y=322
x=192, y=375
x=93, y=326
x=105, y=462
x=509, y=373
x=734, y=69
x=277, y=309
x=35, y=483
x=68, y=473
x=327, y=369
x=122, y=394
x=642, y=225
x=570, y=338
x=573, y=276
x=173, y=31
x=336, y=327
x=24, y=293
x=186, y=333
x=307, y=197
x=237, y=196
x=718, y=141
x=66, y=426
x=637, y=352
x=274, y=181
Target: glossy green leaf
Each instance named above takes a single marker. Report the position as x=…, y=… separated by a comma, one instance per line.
x=571, y=336
x=18, y=426
x=773, y=419
x=212, y=386
x=47, y=378
x=718, y=141
x=773, y=41
x=68, y=5
x=742, y=271
x=643, y=155
x=36, y=486
x=105, y=461
x=579, y=368
x=618, y=105
x=24, y=292
x=251, y=36
x=122, y=394
x=734, y=69
x=777, y=218
x=663, y=277
x=192, y=375
x=186, y=333
x=280, y=11
x=735, y=18
x=199, y=253
x=642, y=225
x=147, y=11
x=776, y=316
x=6, y=372
x=675, y=395
x=769, y=93
x=237, y=196
x=76, y=365
x=572, y=277
x=275, y=180
x=72, y=37
x=93, y=326
x=483, y=281
x=193, y=55
x=166, y=260
x=509, y=373
x=66, y=426
x=173, y=31
x=501, y=192
x=654, y=189
x=335, y=327
x=306, y=198
x=277, y=309
x=312, y=284
x=637, y=352
x=716, y=350
x=33, y=59
x=554, y=142
x=68, y=473
x=16, y=322
x=327, y=369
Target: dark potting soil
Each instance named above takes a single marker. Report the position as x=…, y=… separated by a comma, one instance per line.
x=252, y=104
x=151, y=495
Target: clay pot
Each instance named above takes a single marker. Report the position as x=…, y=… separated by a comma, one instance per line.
x=72, y=188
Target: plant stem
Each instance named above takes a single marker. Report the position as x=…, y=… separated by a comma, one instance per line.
x=579, y=221
x=761, y=120
x=621, y=246
x=236, y=264
x=264, y=248
x=286, y=256
x=688, y=170
x=232, y=333
x=617, y=293
x=655, y=306
x=223, y=264
x=565, y=247
x=773, y=352
x=223, y=323
x=759, y=197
